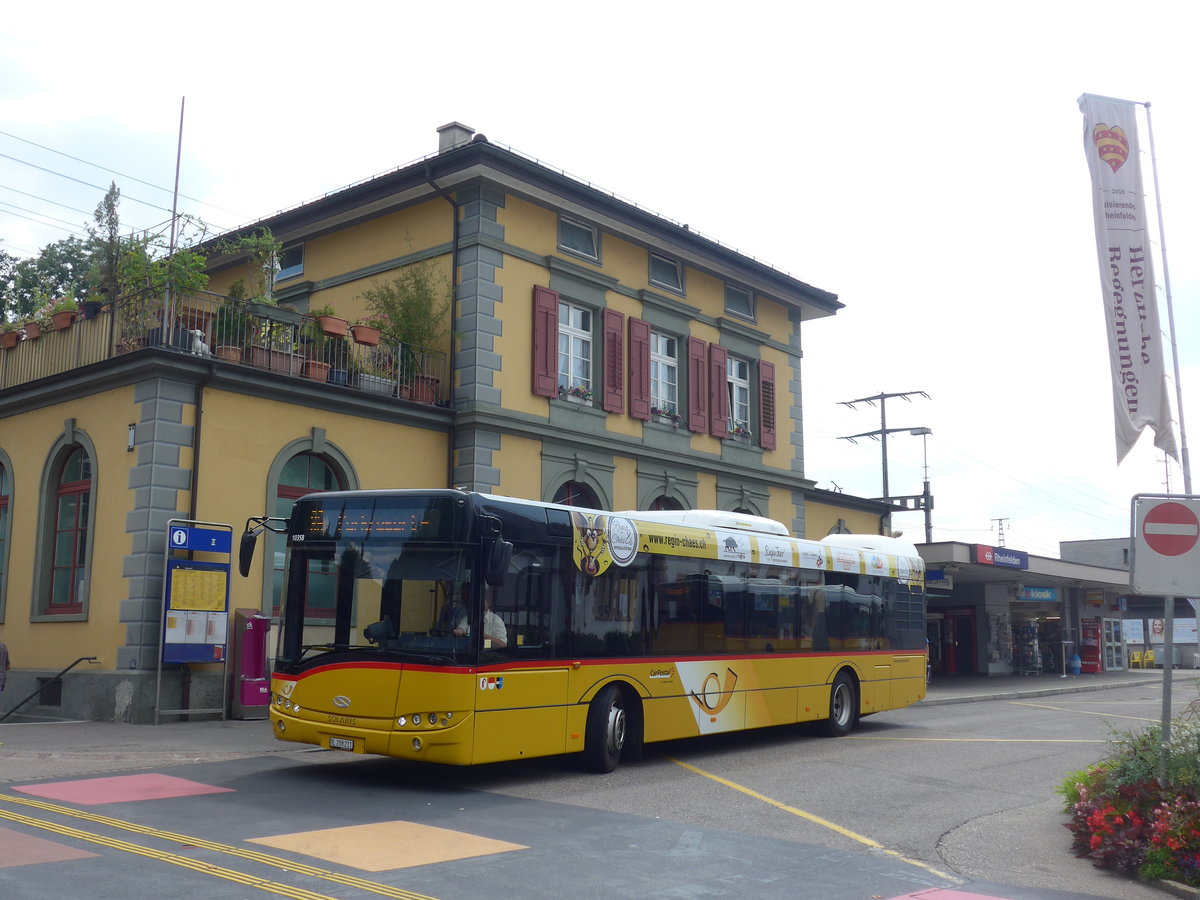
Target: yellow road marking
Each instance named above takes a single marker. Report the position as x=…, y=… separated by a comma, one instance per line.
x=204, y=868
x=1082, y=712
x=288, y=865
x=953, y=740
x=816, y=820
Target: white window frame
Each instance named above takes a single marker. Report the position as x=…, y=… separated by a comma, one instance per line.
x=296, y=268
x=675, y=284
x=575, y=346
x=737, y=382
x=565, y=222
x=664, y=373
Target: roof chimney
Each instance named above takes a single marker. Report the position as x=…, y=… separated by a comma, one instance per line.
x=452, y=135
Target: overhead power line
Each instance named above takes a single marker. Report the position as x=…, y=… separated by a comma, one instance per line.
x=81, y=181
x=157, y=187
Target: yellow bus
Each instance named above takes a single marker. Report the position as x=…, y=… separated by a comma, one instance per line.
x=464, y=628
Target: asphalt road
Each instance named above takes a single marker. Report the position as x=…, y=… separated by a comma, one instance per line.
x=936, y=796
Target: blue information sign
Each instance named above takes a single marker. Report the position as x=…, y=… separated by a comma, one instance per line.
x=211, y=540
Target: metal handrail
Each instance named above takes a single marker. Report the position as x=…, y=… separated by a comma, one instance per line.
x=41, y=687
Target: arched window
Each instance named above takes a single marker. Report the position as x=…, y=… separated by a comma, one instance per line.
x=303, y=474
x=68, y=551
x=576, y=493
x=663, y=502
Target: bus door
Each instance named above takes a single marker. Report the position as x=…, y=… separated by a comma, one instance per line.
x=520, y=694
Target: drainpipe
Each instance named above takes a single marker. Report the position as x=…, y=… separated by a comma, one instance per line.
x=194, y=486
x=445, y=195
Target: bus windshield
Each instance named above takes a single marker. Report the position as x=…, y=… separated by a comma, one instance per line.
x=378, y=598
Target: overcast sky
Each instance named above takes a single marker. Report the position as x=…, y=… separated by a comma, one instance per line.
x=924, y=161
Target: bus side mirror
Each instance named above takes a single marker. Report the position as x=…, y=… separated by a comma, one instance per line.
x=246, y=551
x=499, y=554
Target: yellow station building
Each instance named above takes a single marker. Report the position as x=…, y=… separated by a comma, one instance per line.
x=595, y=353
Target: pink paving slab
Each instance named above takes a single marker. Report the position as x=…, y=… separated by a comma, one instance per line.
x=17, y=849
x=120, y=789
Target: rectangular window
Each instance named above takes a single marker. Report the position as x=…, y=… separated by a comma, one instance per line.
x=664, y=374
x=738, y=302
x=575, y=351
x=577, y=238
x=738, y=383
x=291, y=262
x=665, y=273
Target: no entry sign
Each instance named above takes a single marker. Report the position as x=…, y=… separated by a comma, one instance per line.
x=1166, y=545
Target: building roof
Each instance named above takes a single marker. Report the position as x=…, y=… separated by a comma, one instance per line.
x=459, y=165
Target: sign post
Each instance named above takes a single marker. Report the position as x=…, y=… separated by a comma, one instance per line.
x=1165, y=530
x=195, y=609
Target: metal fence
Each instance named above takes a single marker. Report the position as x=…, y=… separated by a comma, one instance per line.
x=236, y=333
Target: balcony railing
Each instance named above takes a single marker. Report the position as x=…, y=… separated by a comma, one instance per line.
x=234, y=333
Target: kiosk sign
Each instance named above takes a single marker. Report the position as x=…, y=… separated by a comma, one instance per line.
x=1166, y=545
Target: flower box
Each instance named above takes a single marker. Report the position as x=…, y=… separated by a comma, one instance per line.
x=276, y=360
x=377, y=384
x=9, y=339
x=365, y=334
x=423, y=389
x=315, y=370
x=334, y=326
x=63, y=320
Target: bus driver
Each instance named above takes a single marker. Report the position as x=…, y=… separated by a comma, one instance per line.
x=494, y=632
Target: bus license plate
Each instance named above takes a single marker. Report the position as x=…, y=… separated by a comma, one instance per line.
x=341, y=744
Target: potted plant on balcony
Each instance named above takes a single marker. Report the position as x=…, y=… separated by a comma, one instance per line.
x=10, y=334
x=374, y=372
x=366, y=333
x=62, y=313
x=230, y=326
x=331, y=324
x=90, y=307
x=36, y=324
x=317, y=344
x=412, y=312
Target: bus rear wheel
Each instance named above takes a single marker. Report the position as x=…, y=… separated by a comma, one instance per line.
x=843, y=706
x=604, y=737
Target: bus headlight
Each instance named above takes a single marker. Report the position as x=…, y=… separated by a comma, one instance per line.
x=402, y=721
x=416, y=744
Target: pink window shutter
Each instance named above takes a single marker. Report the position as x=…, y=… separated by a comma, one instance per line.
x=718, y=391
x=545, y=341
x=766, y=405
x=614, y=361
x=639, y=369
x=697, y=384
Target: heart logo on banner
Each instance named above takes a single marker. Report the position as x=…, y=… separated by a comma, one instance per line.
x=1112, y=144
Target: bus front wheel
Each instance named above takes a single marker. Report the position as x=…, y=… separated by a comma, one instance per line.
x=605, y=734
x=843, y=706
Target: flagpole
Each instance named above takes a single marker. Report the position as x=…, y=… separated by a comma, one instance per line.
x=1184, y=460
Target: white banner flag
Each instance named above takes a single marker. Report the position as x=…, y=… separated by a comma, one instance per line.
x=1126, y=274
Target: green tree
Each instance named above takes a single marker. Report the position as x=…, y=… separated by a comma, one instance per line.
x=105, y=239
x=59, y=270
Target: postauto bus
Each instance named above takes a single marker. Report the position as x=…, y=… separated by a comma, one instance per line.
x=466, y=628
